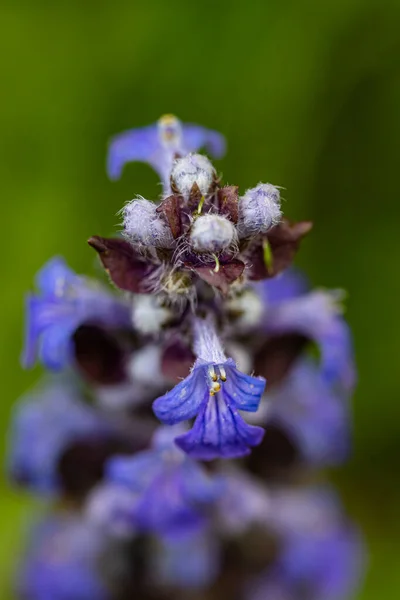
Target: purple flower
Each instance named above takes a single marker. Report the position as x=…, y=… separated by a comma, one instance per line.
x=214, y=392
x=63, y=303
x=320, y=554
x=315, y=565
x=111, y=507
x=62, y=562
x=317, y=316
x=287, y=285
x=159, y=144
x=280, y=510
x=246, y=501
x=172, y=491
x=313, y=415
x=47, y=422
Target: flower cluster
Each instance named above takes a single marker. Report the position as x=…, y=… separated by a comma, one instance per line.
x=186, y=403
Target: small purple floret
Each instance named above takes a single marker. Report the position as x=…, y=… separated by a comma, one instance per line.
x=214, y=392
x=64, y=302
x=172, y=491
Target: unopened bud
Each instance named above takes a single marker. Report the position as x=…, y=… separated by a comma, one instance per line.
x=192, y=169
x=143, y=225
x=212, y=233
x=259, y=210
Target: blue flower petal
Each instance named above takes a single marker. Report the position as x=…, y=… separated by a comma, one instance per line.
x=62, y=562
x=57, y=347
x=219, y=432
x=32, y=331
x=133, y=145
x=144, y=145
x=327, y=564
x=54, y=321
x=198, y=486
x=135, y=472
x=171, y=491
x=184, y=400
x=196, y=137
x=164, y=438
x=64, y=302
x=337, y=360
x=285, y=286
x=164, y=508
x=243, y=391
x=316, y=316
x=44, y=424
x=54, y=276
x=313, y=415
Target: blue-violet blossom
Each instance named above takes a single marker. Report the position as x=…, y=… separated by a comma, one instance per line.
x=62, y=562
x=64, y=302
x=172, y=491
x=159, y=145
x=46, y=422
x=215, y=391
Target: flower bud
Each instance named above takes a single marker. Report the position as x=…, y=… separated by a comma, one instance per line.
x=143, y=225
x=259, y=210
x=192, y=169
x=212, y=233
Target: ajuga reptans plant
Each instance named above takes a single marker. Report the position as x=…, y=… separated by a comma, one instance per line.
x=189, y=404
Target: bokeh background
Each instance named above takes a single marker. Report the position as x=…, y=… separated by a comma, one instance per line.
x=308, y=95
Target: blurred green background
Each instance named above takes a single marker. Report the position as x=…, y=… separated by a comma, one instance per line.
x=308, y=95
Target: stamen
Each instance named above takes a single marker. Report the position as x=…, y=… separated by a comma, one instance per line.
x=216, y=387
x=222, y=373
x=167, y=119
x=212, y=373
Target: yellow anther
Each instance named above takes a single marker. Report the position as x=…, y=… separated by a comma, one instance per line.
x=216, y=387
x=168, y=128
x=222, y=373
x=213, y=374
x=212, y=393
x=168, y=119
